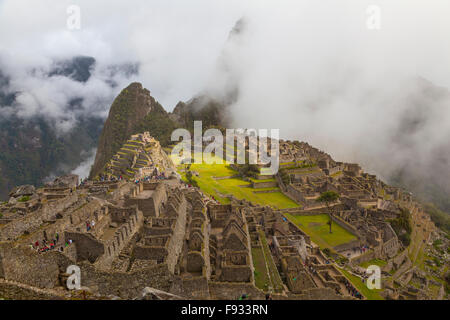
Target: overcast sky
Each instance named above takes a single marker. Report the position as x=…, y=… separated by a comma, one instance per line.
x=177, y=42
x=311, y=68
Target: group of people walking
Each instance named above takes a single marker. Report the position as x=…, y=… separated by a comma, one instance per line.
x=45, y=245
x=355, y=293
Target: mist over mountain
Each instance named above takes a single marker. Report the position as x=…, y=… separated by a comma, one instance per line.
x=50, y=121
x=350, y=92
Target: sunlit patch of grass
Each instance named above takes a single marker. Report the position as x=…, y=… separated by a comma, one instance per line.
x=317, y=228
x=231, y=186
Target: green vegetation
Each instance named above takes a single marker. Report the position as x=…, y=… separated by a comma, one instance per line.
x=317, y=228
x=159, y=125
x=35, y=151
x=246, y=170
x=440, y=218
x=201, y=108
x=220, y=188
x=261, y=276
x=437, y=262
x=437, y=243
x=190, y=180
x=128, y=116
x=328, y=197
x=341, y=260
x=336, y=174
x=284, y=176
x=277, y=283
x=361, y=286
x=24, y=199
x=376, y=262
x=402, y=226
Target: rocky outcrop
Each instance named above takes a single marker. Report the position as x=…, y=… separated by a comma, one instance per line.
x=129, y=113
x=210, y=111
x=67, y=181
x=20, y=191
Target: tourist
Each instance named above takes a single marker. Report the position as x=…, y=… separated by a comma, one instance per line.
x=92, y=224
x=57, y=237
x=243, y=297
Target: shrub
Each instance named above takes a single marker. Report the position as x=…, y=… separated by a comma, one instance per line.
x=190, y=179
x=402, y=226
x=405, y=238
x=24, y=199
x=437, y=262
x=437, y=243
x=247, y=170
x=285, y=176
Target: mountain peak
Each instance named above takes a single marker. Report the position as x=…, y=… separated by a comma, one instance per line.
x=129, y=108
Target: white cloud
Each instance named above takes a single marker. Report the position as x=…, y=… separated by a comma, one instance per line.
x=308, y=67
x=85, y=167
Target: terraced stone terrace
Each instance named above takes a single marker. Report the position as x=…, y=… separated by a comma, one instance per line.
x=216, y=180
x=163, y=234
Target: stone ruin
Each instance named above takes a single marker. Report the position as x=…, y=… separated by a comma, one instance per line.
x=172, y=241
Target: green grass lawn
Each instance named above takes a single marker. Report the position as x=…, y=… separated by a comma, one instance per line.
x=361, y=286
x=277, y=283
x=376, y=262
x=220, y=188
x=317, y=228
x=262, y=280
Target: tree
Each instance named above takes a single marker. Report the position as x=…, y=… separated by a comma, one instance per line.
x=247, y=170
x=328, y=197
x=285, y=177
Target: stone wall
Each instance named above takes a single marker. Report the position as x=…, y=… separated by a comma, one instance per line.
x=347, y=246
x=126, y=285
x=267, y=184
x=290, y=191
x=176, y=241
x=16, y=291
x=150, y=253
x=345, y=225
x=88, y=248
x=151, y=206
x=25, y=265
x=236, y=273
x=34, y=220
x=121, y=238
x=364, y=257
